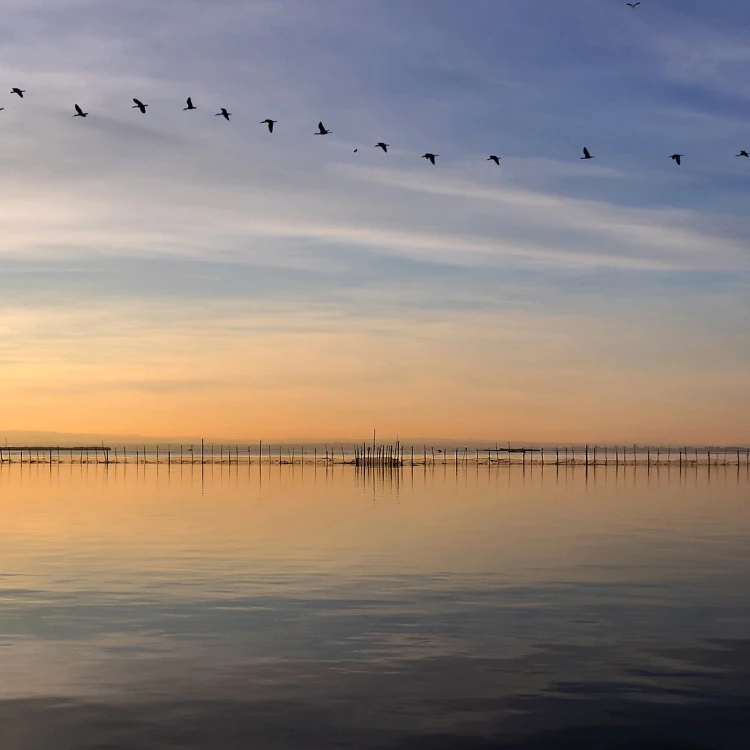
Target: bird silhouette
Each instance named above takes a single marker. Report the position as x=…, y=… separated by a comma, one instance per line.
x=430, y=157
x=189, y=104
x=139, y=105
x=494, y=158
x=676, y=157
x=586, y=154
x=223, y=113
x=80, y=112
x=268, y=122
x=1, y=109
x=743, y=153
x=355, y=150
x=382, y=145
x=632, y=5
x=18, y=91
x=322, y=130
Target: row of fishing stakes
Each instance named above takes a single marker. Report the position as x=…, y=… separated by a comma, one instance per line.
x=322, y=130
x=382, y=456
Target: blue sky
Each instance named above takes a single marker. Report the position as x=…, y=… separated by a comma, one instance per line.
x=175, y=226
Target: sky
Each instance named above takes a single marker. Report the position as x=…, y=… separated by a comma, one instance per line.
x=174, y=273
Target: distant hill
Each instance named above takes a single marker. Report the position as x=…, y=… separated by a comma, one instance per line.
x=43, y=437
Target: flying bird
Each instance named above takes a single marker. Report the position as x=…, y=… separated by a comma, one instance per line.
x=430, y=157
x=268, y=122
x=18, y=91
x=322, y=130
x=632, y=5
x=355, y=150
x=676, y=157
x=80, y=112
x=139, y=105
x=744, y=153
x=586, y=154
x=494, y=158
x=223, y=113
x=189, y=104
x=382, y=145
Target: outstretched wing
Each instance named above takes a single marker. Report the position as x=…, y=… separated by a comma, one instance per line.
x=270, y=126
x=138, y=102
x=586, y=153
x=79, y=110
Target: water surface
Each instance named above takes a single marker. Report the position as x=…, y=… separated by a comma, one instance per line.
x=294, y=607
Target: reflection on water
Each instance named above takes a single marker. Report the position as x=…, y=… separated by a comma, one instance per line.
x=284, y=607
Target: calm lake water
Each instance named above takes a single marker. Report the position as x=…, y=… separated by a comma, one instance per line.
x=290, y=607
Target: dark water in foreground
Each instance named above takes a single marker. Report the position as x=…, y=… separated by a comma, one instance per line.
x=290, y=608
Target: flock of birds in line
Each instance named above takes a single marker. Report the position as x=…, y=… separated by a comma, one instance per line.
x=322, y=130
